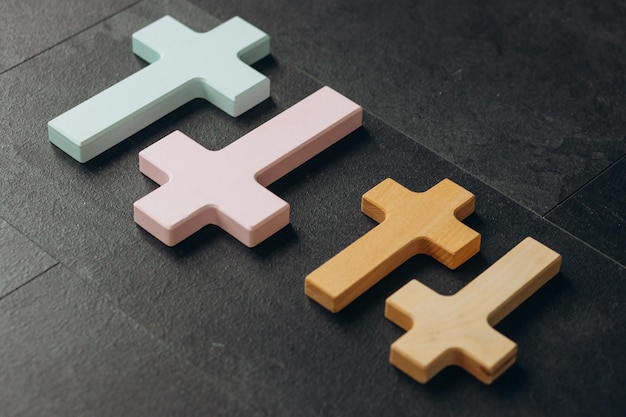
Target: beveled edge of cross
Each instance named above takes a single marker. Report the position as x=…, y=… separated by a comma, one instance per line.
x=336, y=116
x=423, y=355
x=334, y=288
x=451, y=247
x=84, y=148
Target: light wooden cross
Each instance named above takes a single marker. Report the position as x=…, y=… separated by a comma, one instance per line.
x=410, y=223
x=227, y=187
x=183, y=65
x=456, y=330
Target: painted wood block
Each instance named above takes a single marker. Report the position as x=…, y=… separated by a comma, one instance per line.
x=184, y=65
x=457, y=329
x=410, y=223
x=227, y=187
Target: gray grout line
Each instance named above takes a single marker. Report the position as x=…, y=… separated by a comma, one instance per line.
x=479, y=178
x=403, y=133
x=604, y=255
x=115, y=307
x=582, y=187
x=86, y=28
x=39, y=248
x=462, y=169
x=57, y=262
x=22, y=285
x=542, y=217
x=172, y=349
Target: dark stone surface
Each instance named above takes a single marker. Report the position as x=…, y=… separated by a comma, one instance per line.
x=229, y=327
x=597, y=213
x=526, y=95
x=28, y=27
x=20, y=259
x=66, y=351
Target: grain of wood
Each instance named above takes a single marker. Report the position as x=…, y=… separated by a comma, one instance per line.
x=411, y=223
x=457, y=330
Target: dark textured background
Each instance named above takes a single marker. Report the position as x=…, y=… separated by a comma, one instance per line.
x=521, y=102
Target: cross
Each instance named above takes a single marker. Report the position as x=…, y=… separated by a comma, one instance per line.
x=184, y=65
x=410, y=223
x=456, y=330
x=227, y=187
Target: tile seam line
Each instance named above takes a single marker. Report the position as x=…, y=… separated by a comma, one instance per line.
x=170, y=348
x=42, y=250
x=599, y=252
x=86, y=28
x=21, y=232
x=460, y=168
x=27, y=282
x=585, y=185
x=541, y=217
x=477, y=177
x=116, y=308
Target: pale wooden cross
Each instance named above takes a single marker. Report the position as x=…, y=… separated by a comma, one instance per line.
x=457, y=329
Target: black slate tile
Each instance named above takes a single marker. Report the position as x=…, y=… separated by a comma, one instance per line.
x=527, y=96
x=66, y=351
x=28, y=27
x=597, y=213
x=240, y=314
x=20, y=259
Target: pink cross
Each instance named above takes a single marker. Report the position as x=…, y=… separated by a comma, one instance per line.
x=227, y=187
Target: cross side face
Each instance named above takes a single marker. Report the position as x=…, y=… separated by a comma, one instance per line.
x=410, y=224
x=186, y=65
x=456, y=330
x=226, y=187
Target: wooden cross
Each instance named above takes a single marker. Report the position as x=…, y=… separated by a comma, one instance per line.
x=410, y=224
x=227, y=187
x=184, y=65
x=456, y=330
